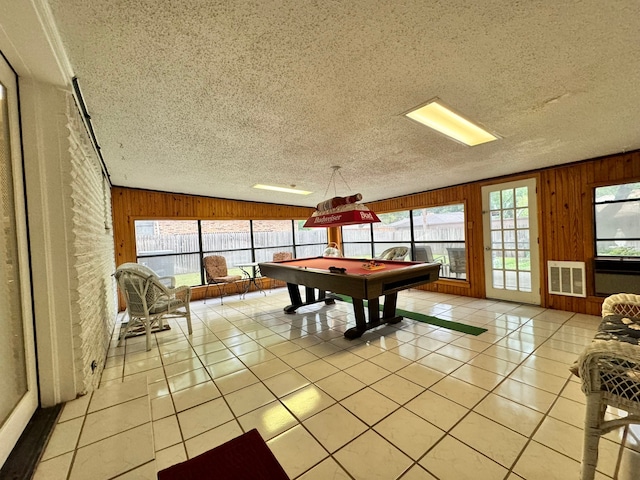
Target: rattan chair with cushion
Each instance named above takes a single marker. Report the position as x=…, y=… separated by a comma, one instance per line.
x=216, y=273
x=149, y=301
x=168, y=281
x=610, y=372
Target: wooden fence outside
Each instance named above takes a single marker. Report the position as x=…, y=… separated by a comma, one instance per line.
x=180, y=253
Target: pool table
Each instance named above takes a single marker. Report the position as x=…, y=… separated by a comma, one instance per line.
x=354, y=277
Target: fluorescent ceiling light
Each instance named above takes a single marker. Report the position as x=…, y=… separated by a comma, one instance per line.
x=435, y=115
x=282, y=189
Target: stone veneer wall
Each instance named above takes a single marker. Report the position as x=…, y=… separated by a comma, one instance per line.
x=93, y=289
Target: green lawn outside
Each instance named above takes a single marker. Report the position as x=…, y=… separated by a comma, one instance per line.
x=510, y=264
x=193, y=279
x=188, y=279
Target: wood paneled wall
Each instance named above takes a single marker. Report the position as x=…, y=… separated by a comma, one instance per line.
x=566, y=231
x=565, y=196
x=130, y=204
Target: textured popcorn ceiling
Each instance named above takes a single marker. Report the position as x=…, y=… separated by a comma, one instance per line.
x=210, y=97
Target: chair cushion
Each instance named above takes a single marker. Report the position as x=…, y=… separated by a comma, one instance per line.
x=165, y=305
x=215, y=266
x=621, y=328
x=281, y=256
x=227, y=279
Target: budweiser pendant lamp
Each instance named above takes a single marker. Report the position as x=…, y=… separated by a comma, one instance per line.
x=339, y=211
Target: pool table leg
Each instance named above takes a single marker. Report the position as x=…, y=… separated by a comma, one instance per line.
x=361, y=320
x=310, y=297
x=373, y=308
x=328, y=300
x=389, y=309
x=294, y=296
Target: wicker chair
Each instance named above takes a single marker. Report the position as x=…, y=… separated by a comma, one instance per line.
x=610, y=371
x=216, y=273
x=149, y=301
x=332, y=250
x=394, y=253
x=169, y=282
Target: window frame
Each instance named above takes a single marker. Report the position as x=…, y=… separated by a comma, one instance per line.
x=201, y=252
x=594, y=205
x=412, y=243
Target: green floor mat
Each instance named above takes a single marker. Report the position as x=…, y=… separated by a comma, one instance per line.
x=420, y=317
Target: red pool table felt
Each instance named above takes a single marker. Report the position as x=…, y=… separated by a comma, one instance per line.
x=354, y=266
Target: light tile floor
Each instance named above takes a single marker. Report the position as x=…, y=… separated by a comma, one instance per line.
x=408, y=401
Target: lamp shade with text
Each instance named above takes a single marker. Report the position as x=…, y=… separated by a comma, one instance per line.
x=344, y=212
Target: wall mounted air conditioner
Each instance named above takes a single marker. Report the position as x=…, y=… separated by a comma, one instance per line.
x=616, y=275
x=567, y=278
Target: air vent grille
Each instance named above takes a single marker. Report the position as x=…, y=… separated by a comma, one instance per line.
x=567, y=278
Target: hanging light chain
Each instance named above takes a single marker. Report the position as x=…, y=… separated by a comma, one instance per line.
x=335, y=168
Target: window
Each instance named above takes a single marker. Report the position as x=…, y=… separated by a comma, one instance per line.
x=176, y=247
x=170, y=248
x=230, y=239
x=439, y=236
x=309, y=242
x=221, y=235
x=394, y=230
x=271, y=236
x=435, y=234
x=356, y=241
x=617, y=220
x=370, y=240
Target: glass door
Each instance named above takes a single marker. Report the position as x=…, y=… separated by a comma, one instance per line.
x=510, y=231
x=19, y=397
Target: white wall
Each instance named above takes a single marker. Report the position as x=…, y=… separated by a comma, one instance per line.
x=93, y=259
x=43, y=120
x=72, y=250
x=68, y=206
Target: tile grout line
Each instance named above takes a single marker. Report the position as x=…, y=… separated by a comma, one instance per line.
x=330, y=340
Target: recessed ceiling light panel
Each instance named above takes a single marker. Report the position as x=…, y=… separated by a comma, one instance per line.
x=282, y=189
x=434, y=114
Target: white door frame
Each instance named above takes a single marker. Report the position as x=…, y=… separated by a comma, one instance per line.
x=14, y=425
x=514, y=283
